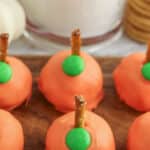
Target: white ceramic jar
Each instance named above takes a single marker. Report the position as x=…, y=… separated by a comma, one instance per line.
x=58, y=18
x=12, y=19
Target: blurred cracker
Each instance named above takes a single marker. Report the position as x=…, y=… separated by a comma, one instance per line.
x=138, y=20
x=136, y=34
x=142, y=4
x=138, y=9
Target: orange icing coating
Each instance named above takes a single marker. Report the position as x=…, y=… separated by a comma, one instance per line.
x=101, y=134
x=139, y=133
x=11, y=132
x=60, y=89
x=18, y=89
x=131, y=86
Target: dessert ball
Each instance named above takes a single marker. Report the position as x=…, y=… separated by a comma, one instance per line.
x=132, y=81
x=15, y=83
x=15, y=78
x=100, y=132
x=80, y=130
x=139, y=133
x=11, y=132
x=69, y=73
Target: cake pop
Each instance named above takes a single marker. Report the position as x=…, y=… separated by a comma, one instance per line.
x=15, y=78
x=80, y=130
x=132, y=80
x=71, y=72
x=139, y=133
x=11, y=132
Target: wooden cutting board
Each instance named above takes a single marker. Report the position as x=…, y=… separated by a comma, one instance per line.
x=38, y=115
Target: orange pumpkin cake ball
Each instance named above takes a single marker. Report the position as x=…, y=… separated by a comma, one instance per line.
x=132, y=80
x=15, y=79
x=80, y=130
x=139, y=133
x=71, y=72
x=11, y=132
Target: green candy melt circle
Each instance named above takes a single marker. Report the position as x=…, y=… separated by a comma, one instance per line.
x=5, y=72
x=73, y=65
x=146, y=71
x=78, y=139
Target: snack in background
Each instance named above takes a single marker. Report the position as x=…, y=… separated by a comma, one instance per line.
x=137, y=20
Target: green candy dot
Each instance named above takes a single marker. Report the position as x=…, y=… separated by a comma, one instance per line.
x=78, y=139
x=146, y=71
x=73, y=65
x=5, y=72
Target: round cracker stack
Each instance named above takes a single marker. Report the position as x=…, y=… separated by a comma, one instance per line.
x=137, y=20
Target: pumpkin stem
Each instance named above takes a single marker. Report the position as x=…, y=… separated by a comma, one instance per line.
x=80, y=112
x=148, y=53
x=76, y=42
x=3, y=46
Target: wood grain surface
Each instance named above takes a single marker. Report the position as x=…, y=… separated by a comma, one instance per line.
x=38, y=115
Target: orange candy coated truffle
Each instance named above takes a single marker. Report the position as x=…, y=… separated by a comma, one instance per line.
x=60, y=89
x=101, y=134
x=18, y=89
x=11, y=132
x=139, y=133
x=131, y=86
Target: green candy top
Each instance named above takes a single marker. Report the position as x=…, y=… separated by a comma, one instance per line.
x=146, y=71
x=78, y=139
x=5, y=72
x=73, y=65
